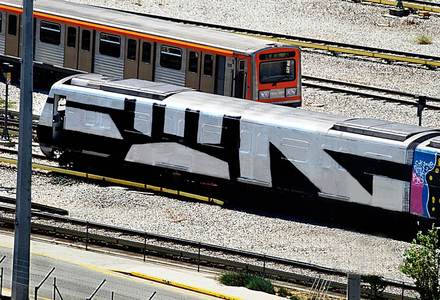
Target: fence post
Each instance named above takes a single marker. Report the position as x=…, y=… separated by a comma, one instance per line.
x=87, y=235
x=96, y=290
x=1, y=282
x=41, y=283
x=403, y=290
x=145, y=244
x=151, y=297
x=421, y=103
x=264, y=265
x=198, y=258
x=353, y=287
x=1, y=276
x=113, y=295
x=54, y=287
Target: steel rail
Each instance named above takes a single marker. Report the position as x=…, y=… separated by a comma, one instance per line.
x=117, y=181
x=37, y=206
x=432, y=7
x=78, y=234
x=316, y=44
x=340, y=86
x=34, y=155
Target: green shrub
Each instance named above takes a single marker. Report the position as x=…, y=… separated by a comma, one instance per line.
x=424, y=40
x=234, y=278
x=252, y=282
x=258, y=283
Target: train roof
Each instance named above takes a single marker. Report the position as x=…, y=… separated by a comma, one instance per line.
x=148, y=25
x=260, y=113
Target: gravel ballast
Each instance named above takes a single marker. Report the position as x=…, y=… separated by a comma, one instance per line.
x=332, y=20
x=316, y=244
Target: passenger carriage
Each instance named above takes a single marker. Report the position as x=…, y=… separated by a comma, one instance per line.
x=240, y=145
x=75, y=37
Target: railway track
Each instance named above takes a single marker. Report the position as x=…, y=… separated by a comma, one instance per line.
x=429, y=61
x=372, y=92
x=145, y=244
x=13, y=121
x=419, y=5
x=110, y=180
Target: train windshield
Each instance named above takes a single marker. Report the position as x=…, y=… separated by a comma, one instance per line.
x=277, y=71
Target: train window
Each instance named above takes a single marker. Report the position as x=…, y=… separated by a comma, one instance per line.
x=193, y=62
x=85, y=40
x=1, y=22
x=71, y=37
x=277, y=71
x=208, y=65
x=171, y=57
x=12, y=25
x=131, y=49
x=50, y=33
x=110, y=45
x=146, y=52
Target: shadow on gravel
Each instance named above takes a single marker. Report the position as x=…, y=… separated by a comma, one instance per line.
x=265, y=202
x=334, y=214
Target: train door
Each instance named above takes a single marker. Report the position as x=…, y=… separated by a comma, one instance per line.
x=12, y=39
x=59, y=110
x=240, y=79
x=131, y=64
x=193, y=70
x=254, y=153
x=85, y=52
x=146, y=65
x=229, y=77
x=207, y=78
x=71, y=45
x=170, y=66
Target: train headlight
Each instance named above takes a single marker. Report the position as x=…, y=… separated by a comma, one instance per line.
x=290, y=92
x=263, y=94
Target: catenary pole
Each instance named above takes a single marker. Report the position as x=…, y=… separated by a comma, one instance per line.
x=20, y=270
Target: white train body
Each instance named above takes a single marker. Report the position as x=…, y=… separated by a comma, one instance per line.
x=365, y=161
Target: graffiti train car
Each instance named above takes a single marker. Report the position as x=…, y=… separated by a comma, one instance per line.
x=236, y=144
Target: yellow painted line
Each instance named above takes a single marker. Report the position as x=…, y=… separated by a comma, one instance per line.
x=116, y=181
x=194, y=196
x=184, y=286
x=357, y=52
x=153, y=188
x=170, y=191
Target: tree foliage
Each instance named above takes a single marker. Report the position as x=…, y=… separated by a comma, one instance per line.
x=421, y=263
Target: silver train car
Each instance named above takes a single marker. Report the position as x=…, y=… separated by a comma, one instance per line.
x=369, y=162
x=72, y=37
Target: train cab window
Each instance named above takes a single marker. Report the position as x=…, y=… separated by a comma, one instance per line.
x=131, y=49
x=208, y=65
x=193, y=63
x=277, y=71
x=110, y=45
x=71, y=37
x=171, y=57
x=12, y=25
x=146, y=52
x=85, y=40
x=50, y=33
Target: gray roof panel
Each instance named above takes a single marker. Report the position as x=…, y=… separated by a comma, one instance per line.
x=380, y=128
x=146, y=25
